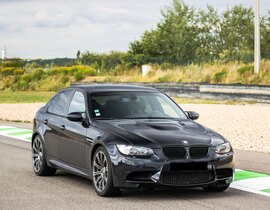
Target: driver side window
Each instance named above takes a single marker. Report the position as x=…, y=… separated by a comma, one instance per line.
x=77, y=103
x=58, y=104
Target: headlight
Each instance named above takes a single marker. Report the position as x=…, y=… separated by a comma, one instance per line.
x=135, y=150
x=223, y=148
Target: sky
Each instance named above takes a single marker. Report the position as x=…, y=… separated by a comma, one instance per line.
x=59, y=28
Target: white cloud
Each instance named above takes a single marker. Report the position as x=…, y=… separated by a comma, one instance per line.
x=58, y=28
x=52, y=18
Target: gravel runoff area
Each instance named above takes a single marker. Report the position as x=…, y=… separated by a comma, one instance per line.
x=246, y=126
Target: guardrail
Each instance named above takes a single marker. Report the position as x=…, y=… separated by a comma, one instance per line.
x=254, y=93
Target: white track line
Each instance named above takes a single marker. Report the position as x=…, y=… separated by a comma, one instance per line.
x=243, y=188
x=6, y=126
x=259, y=183
x=24, y=136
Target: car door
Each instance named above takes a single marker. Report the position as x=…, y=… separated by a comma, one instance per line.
x=53, y=118
x=72, y=143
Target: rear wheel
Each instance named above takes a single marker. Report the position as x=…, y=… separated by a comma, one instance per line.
x=40, y=166
x=102, y=174
x=216, y=187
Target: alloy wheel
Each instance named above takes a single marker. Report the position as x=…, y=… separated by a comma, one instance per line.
x=100, y=171
x=37, y=154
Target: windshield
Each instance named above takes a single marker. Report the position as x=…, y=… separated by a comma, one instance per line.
x=134, y=105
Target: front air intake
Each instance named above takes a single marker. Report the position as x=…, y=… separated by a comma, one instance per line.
x=187, y=177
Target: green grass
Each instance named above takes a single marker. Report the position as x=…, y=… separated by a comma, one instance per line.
x=241, y=175
x=24, y=96
x=57, y=78
x=267, y=190
x=220, y=73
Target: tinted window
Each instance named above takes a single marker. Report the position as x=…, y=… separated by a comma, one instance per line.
x=58, y=104
x=134, y=105
x=77, y=103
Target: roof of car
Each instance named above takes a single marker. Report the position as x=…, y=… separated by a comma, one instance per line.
x=112, y=88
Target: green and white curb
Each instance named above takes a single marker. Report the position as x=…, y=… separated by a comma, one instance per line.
x=252, y=182
x=248, y=181
x=16, y=133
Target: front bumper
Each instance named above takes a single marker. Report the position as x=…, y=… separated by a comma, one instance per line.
x=132, y=172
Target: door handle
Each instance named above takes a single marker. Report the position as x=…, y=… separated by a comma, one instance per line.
x=63, y=127
x=45, y=121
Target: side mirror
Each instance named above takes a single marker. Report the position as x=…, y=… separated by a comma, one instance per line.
x=75, y=116
x=193, y=115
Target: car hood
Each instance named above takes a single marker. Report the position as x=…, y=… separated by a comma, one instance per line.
x=159, y=133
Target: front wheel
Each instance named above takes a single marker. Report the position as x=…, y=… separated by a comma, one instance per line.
x=40, y=166
x=216, y=187
x=102, y=174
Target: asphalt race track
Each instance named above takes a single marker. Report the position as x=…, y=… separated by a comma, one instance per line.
x=20, y=188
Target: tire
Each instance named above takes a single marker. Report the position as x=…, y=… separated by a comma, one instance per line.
x=102, y=174
x=216, y=187
x=39, y=164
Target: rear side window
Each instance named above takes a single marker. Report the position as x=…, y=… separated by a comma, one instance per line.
x=58, y=104
x=77, y=103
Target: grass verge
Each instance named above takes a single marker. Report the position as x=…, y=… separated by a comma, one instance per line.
x=24, y=96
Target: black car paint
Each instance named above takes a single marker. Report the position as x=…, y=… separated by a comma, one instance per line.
x=71, y=147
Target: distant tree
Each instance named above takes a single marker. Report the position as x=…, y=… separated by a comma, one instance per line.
x=208, y=23
x=237, y=33
x=104, y=61
x=265, y=36
x=14, y=62
x=136, y=47
x=53, y=62
x=174, y=39
x=186, y=35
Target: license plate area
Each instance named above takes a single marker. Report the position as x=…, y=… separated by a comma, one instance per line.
x=193, y=166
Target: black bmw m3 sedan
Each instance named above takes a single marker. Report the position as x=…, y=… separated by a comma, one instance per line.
x=122, y=136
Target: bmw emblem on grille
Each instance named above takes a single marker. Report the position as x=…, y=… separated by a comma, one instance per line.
x=185, y=142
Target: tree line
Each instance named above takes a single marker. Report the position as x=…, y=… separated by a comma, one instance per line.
x=187, y=35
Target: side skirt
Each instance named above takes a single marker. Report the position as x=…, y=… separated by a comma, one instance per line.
x=68, y=167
